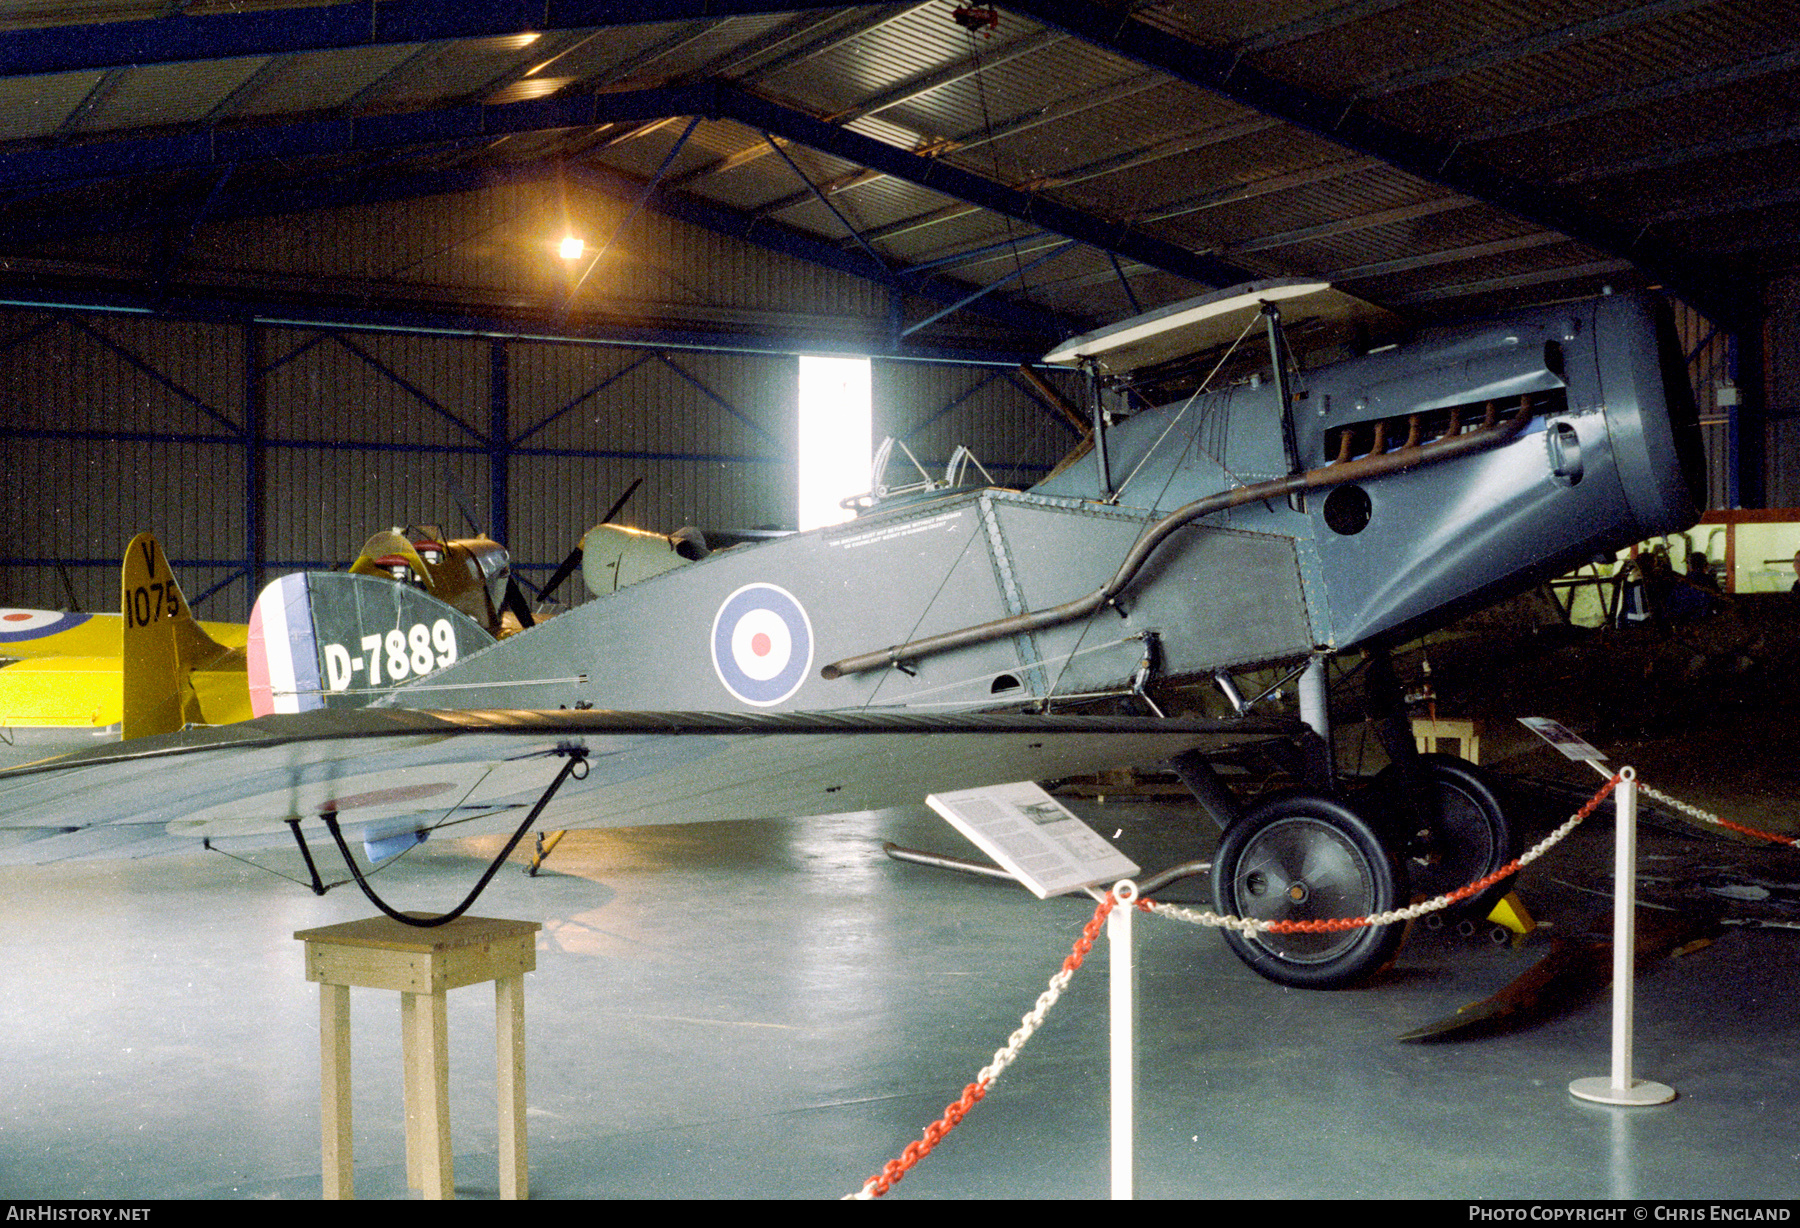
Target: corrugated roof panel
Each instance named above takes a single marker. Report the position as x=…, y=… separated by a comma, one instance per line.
x=648, y=54
x=32, y=107
x=1131, y=118
x=739, y=43
x=1216, y=23
x=1205, y=178
x=1728, y=113
x=1673, y=45
x=612, y=54
x=321, y=81
x=1342, y=200
x=1004, y=89
x=641, y=155
x=885, y=201
x=1437, y=242
x=955, y=228
x=1483, y=232
x=455, y=70
x=1769, y=237
x=166, y=94
x=1371, y=54
x=918, y=41
x=1470, y=272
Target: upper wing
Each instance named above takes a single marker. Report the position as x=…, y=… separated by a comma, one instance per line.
x=387, y=771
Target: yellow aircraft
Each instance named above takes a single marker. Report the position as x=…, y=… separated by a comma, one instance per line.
x=471, y=575
x=69, y=680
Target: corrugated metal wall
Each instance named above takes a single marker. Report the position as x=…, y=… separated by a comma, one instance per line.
x=1708, y=353
x=289, y=445
x=932, y=409
x=710, y=434
x=112, y=390
x=1782, y=340
x=118, y=423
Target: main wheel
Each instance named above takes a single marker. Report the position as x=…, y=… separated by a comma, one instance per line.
x=1308, y=857
x=1451, y=831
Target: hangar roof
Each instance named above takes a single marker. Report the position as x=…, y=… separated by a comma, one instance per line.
x=1076, y=161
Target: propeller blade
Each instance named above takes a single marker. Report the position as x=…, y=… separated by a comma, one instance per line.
x=573, y=560
x=619, y=503
x=515, y=601
x=568, y=565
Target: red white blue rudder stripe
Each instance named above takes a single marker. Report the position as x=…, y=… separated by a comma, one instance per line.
x=762, y=644
x=281, y=655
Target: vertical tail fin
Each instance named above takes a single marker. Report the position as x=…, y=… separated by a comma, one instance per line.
x=160, y=644
x=330, y=639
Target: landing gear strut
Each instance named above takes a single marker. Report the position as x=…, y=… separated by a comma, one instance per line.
x=1426, y=826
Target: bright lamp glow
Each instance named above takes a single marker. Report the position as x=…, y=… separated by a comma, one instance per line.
x=835, y=426
x=571, y=248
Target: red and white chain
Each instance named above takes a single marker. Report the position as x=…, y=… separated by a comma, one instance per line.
x=1412, y=912
x=1706, y=816
x=1033, y=1019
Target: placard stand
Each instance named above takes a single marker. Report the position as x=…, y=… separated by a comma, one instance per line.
x=1040, y=842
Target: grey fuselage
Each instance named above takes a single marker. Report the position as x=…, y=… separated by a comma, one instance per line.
x=1608, y=456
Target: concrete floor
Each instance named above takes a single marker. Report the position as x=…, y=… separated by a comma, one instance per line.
x=774, y=1009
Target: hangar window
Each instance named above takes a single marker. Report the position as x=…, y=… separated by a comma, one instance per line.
x=834, y=436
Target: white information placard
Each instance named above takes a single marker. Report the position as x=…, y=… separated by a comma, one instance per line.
x=1034, y=836
x=1559, y=736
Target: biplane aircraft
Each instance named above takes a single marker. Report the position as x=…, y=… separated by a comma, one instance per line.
x=959, y=635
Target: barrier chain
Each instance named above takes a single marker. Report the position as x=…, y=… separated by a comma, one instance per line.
x=1708, y=817
x=1250, y=925
x=972, y=1094
x=917, y=1150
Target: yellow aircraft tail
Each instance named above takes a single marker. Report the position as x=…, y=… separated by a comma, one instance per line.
x=173, y=673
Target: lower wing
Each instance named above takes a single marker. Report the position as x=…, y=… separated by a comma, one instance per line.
x=385, y=772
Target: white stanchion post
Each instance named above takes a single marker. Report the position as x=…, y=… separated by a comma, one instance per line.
x=1123, y=985
x=1620, y=1088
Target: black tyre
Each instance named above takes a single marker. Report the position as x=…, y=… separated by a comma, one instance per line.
x=1452, y=831
x=1308, y=857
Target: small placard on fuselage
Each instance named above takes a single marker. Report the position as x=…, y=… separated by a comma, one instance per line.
x=1571, y=745
x=1034, y=836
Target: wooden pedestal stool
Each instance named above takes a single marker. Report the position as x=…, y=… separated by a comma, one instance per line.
x=422, y=965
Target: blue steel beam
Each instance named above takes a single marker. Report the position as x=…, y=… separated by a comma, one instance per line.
x=989, y=289
x=185, y=37
x=110, y=158
x=772, y=236
x=472, y=323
